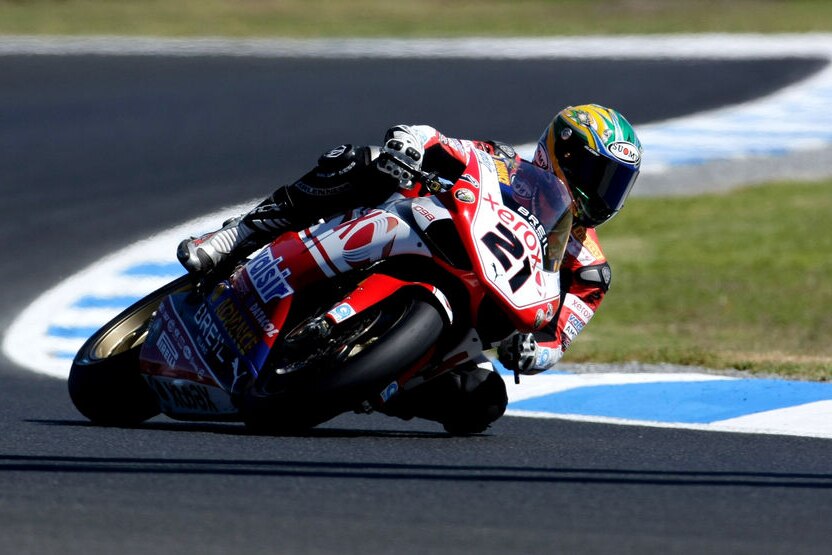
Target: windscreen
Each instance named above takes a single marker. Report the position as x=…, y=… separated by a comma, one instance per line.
x=549, y=201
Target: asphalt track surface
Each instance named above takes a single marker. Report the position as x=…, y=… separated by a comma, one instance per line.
x=100, y=151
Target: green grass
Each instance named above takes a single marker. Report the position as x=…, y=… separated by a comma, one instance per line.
x=338, y=18
x=739, y=280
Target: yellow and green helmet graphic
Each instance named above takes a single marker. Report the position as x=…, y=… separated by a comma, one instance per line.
x=597, y=153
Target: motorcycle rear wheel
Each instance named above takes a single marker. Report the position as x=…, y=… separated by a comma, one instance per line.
x=104, y=381
x=408, y=329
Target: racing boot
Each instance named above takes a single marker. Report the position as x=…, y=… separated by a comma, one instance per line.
x=203, y=254
x=239, y=236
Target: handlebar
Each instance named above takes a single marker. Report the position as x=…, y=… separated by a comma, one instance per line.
x=431, y=180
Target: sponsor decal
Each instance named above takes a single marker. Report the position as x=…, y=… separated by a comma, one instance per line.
x=538, y=318
x=354, y=243
x=626, y=152
x=502, y=172
x=521, y=190
x=361, y=248
x=268, y=279
x=174, y=341
x=341, y=312
x=236, y=325
x=532, y=236
x=465, y=195
x=486, y=160
x=185, y=396
x=209, y=339
x=543, y=356
x=424, y=212
x=578, y=307
x=592, y=247
x=570, y=332
x=539, y=230
x=576, y=323
x=585, y=249
x=541, y=157
x=514, y=243
x=262, y=320
x=317, y=191
x=238, y=375
x=456, y=145
x=168, y=350
x=389, y=391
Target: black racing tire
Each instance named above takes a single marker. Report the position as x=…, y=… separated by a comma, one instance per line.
x=411, y=328
x=104, y=382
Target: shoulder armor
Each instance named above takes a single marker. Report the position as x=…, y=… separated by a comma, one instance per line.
x=596, y=274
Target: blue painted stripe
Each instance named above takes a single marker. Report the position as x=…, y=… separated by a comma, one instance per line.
x=71, y=332
x=63, y=355
x=151, y=269
x=681, y=402
x=90, y=301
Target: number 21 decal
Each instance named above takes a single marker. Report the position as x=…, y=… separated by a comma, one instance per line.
x=504, y=245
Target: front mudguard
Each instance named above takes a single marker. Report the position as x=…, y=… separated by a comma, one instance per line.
x=378, y=287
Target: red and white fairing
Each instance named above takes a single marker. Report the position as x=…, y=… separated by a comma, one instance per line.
x=375, y=236
x=506, y=250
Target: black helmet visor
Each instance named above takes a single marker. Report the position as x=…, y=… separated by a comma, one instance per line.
x=599, y=184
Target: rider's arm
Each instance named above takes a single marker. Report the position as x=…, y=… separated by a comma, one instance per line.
x=585, y=279
x=496, y=148
x=444, y=155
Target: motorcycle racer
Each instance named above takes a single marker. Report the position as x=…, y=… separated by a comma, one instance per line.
x=590, y=148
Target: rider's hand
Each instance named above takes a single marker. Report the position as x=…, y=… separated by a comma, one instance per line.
x=518, y=352
x=401, y=155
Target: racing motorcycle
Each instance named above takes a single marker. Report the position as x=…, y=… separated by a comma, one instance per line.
x=344, y=315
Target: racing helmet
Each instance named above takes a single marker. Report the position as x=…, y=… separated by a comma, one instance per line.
x=596, y=152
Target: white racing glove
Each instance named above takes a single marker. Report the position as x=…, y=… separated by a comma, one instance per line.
x=401, y=155
x=518, y=352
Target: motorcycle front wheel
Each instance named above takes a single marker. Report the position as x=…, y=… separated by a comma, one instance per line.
x=371, y=354
x=104, y=382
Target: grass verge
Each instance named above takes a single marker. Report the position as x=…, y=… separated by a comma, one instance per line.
x=736, y=280
x=339, y=18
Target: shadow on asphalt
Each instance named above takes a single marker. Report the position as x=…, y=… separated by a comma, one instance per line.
x=409, y=472
x=238, y=429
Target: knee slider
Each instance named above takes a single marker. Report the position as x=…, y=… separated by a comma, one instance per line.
x=599, y=275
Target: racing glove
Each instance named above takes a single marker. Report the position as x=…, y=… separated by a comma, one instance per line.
x=518, y=352
x=401, y=155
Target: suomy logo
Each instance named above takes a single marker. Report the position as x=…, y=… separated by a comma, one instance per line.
x=627, y=152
